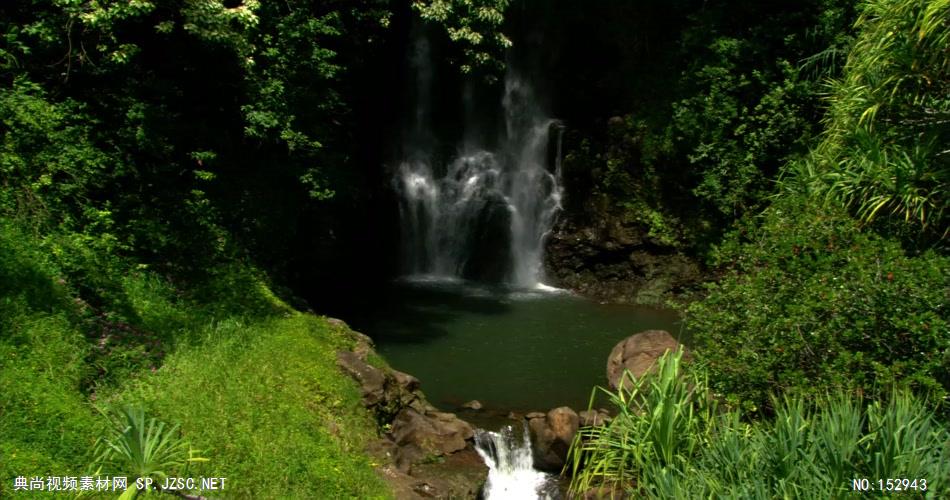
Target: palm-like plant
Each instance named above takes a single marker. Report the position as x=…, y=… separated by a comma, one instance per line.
x=143, y=448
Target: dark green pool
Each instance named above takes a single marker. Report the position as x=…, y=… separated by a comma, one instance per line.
x=510, y=349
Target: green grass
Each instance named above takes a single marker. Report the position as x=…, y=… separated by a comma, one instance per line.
x=249, y=382
x=267, y=405
x=46, y=424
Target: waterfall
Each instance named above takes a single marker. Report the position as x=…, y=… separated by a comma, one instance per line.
x=485, y=214
x=511, y=474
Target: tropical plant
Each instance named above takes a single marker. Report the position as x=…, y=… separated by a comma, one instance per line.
x=662, y=421
x=884, y=150
x=143, y=448
x=810, y=449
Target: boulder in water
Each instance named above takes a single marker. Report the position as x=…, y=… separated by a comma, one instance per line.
x=593, y=418
x=473, y=405
x=551, y=436
x=638, y=354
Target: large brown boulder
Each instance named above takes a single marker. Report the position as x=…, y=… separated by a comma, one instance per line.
x=551, y=437
x=638, y=354
x=435, y=433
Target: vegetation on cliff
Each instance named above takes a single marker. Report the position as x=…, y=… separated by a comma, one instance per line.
x=843, y=281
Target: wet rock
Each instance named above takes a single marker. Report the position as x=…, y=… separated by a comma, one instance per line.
x=406, y=381
x=602, y=252
x=489, y=246
x=593, y=418
x=638, y=354
x=551, y=437
x=434, y=432
x=364, y=344
x=459, y=475
x=421, y=405
x=473, y=405
x=408, y=454
x=426, y=453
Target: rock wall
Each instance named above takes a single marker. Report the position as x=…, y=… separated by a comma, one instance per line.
x=599, y=252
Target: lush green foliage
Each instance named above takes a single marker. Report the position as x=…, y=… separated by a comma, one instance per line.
x=809, y=298
x=154, y=154
x=810, y=303
x=808, y=450
x=733, y=96
x=884, y=152
x=473, y=24
x=149, y=124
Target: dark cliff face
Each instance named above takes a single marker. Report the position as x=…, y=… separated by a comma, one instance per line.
x=599, y=253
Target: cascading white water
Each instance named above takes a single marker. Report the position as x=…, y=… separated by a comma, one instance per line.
x=451, y=214
x=511, y=474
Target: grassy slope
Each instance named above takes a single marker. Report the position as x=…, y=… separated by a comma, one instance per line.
x=266, y=402
x=253, y=384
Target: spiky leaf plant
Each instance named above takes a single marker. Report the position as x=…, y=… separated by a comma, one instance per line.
x=143, y=448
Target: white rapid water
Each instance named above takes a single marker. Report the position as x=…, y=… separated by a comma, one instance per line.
x=484, y=215
x=511, y=475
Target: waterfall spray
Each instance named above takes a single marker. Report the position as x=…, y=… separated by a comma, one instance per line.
x=485, y=214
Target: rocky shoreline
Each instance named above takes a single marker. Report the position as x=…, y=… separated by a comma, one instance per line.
x=423, y=452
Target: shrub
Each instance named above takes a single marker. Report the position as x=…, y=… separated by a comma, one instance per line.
x=811, y=303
